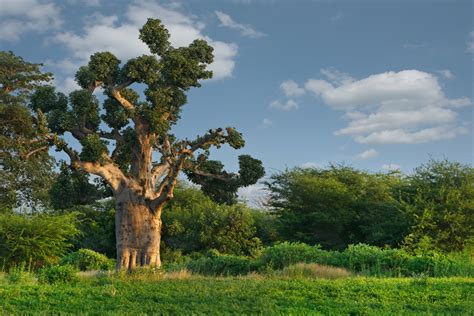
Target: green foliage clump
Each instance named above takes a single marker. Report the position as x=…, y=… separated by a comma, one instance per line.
x=19, y=274
x=192, y=222
x=97, y=227
x=156, y=36
x=214, y=263
x=40, y=238
x=86, y=259
x=439, y=196
x=115, y=116
x=85, y=108
x=223, y=187
x=266, y=226
x=93, y=149
x=58, y=274
x=72, y=188
x=285, y=254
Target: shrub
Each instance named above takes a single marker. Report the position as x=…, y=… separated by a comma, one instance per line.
x=367, y=260
x=215, y=263
x=285, y=254
x=41, y=238
x=313, y=270
x=58, y=274
x=364, y=258
x=193, y=222
x=20, y=275
x=86, y=259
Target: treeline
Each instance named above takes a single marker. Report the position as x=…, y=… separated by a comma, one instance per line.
x=429, y=211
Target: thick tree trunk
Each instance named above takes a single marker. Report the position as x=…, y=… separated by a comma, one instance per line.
x=138, y=233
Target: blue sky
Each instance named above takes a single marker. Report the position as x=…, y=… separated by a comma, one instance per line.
x=373, y=84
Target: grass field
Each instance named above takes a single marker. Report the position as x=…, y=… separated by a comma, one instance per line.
x=243, y=295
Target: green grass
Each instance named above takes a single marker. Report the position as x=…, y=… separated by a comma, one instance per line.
x=243, y=295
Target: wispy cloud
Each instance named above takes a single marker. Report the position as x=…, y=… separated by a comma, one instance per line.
x=337, y=17
x=287, y=106
x=244, y=29
x=367, y=154
x=446, y=73
x=291, y=89
x=470, y=43
x=413, y=45
x=266, y=122
x=310, y=165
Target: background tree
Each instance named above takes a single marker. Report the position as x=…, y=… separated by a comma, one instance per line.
x=440, y=198
x=136, y=129
x=337, y=206
x=22, y=181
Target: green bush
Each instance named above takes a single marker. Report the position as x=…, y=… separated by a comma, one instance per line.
x=86, y=259
x=367, y=260
x=282, y=255
x=193, y=222
x=215, y=263
x=58, y=274
x=20, y=275
x=40, y=239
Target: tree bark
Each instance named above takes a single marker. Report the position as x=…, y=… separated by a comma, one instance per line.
x=138, y=233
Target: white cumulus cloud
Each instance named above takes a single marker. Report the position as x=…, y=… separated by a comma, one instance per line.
x=119, y=35
x=408, y=106
x=245, y=30
x=18, y=17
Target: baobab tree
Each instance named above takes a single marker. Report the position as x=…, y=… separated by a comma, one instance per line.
x=137, y=129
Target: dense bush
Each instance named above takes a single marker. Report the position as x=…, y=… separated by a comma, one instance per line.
x=266, y=226
x=338, y=206
x=214, y=263
x=38, y=239
x=86, y=259
x=285, y=254
x=439, y=195
x=193, y=222
x=97, y=225
x=20, y=275
x=57, y=274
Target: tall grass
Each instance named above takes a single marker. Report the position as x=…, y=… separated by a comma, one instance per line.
x=312, y=271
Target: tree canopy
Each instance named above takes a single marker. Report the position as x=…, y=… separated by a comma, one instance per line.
x=136, y=128
x=25, y=165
